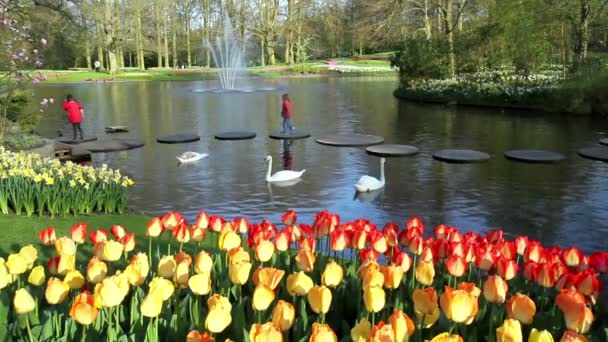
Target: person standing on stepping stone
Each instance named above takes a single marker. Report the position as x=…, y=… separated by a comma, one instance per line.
x=75, y=113
x=287, y=114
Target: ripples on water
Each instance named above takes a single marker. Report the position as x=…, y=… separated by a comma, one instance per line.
x=560, y=204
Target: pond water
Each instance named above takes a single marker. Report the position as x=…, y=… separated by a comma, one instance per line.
x=565, y=203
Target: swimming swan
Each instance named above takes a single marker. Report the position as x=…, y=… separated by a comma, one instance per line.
x=190, y=157
x=281, y=176
x=369, y=183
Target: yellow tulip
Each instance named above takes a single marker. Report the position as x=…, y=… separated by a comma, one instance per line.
x=56, y=291
x=37, y=277
x=459, y=306
x=96, y=270
x=446, y=337
x=305, y=259
x=262, y=298
x=268, y=276
x=29, y=253
x=203, y=262
x=298, y=284
x=182, y=274
x=366, y=267
x=540, y=336
x=402, y=326
x=163, y=286
x=373, y=278
x=283, y=315
x=264, y=250
x=509, y=331
x=66, y=264
x=239, y=273
x=332, y=275
x=65, y=246
x=218, y=320
x=392, y=276
x=361, y=331
x=112, y=250
x=141, y=260
x=134, y=274
x=265, y=332
x=200, y=284
x=319, y=298
x=83, y=309
x=228, y=240
x=374, y=298
x=426, y=307
x=166, y=267
x=16, y=264
x=23, y=302
x=108, y=293
x=152, y=304
x=425, y=272
x=219, y=302
x=5, y=277
x=74, y=279
x=238, y=255
x=322, y=333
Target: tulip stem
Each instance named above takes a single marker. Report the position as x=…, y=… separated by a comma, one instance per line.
x=181, y=246
x=117, y=314
x=490, y=323
x=373, y=319
x=260, y=317
x=150, y=251
x=413, y=271
x=29, y=328
x=83, y=338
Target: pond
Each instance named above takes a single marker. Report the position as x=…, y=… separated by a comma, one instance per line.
x=565, y=203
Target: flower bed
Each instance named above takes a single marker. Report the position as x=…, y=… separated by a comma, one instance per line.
x=300, y=282
x=345, y=68
x=30, y=183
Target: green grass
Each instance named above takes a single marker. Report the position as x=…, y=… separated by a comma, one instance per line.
x=370, y=62
x=22, y=141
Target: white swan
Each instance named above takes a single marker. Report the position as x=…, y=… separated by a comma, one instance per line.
x=281, y=176
x=369, y=183
x=190, y=157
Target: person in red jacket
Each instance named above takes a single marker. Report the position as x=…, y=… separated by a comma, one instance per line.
x=287, y=114
x=75, y=113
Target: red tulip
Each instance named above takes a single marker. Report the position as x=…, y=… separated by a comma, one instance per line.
x=599, y=261
x=455, y=236
x=198, y=233
x=118, y=231
x=427, y=255
x=289, y=218
x=506, y=268
x=128, y=241
x=47, y=236
x=533, y=251
x=588, y=283
x=339, y=240
x=53, y=264
x=359, y=239
x=521, y=244
x=390, y=231
x=307, y=243
x=415, y=222
x=241, y=225
x=368, y=254
x=530, y=270
x=494, y=236
x=507, y=249
x=472, y=238
x=545, y=275
x=216, y=223
x=441, y=249
x=584, y=264
x=181, y=232
x=78, y=232
x=171, y=219
x=202, y=220
x=456, y=265
x=282, y=240
x=100, y=235
x=403, y=260
x=415, y=245
x=378, y=242
x=155, y=227
x=442, y=231
x=485, y=257
x=457, y=248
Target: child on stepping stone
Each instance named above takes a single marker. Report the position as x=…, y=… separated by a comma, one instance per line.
x=287, y=114
x=75, y=113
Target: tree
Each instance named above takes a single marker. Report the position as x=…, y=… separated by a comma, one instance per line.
x=449, y=21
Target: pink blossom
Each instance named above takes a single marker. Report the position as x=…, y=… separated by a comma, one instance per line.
x=44, y=102
x=51, y=100
x=35, y=81
x=43, y=41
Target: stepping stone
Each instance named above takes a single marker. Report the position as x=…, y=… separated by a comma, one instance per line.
x=386, y=150
x=132, y=143
x=461, y=156
x=350, y=140
x=111, y=145
x=235, y=135
x=604, y=141
x=116, y=129
x=77, y=141
x=178, y=138
x=595, y=153
x=534, y=156
x=289, y=135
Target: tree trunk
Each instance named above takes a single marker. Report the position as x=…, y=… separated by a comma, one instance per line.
x=582, y=40
x=139, y=39
x=159, y=46
x=110, y=42
x=206, y=36
x=100, y=52
x=87, y=52
x=174, y=25
x=242, y=20
x=449, y=30
x=288, y=38
x=427, y=21
x=188, y=49
x=118, y=39
x=299, y=47
x=262, y=53
x=166, y=40
x=460, y=17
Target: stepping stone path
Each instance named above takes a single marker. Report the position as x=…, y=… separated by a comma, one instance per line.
x=534, y=156
x=112, y=145
x=604, y=141
x=289, y=135
x=392, y=150
x=117, y=129
x=178, y=138
x=461, y=156
x=77, y=141
x=236, y=135
x=350, y=140
x=595, y=153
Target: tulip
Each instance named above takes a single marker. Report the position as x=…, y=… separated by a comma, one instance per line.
x=322, y=333
x=74, y=279
x=319, y=298
x=282, y=240
x=239, y=273
x=154, y=228
x=203, y=262
x=540, y=336
x=47, y=236
x=588, y=284
x=332, y=275
x=66, y=264
x=128, y=242
x=485, y=257
x=374, y=298
x=196, y=336
x=373, y=278
x=197, y=234
x=112, y=250
x=202, y=220
x=299, y=284
x=182, y=273
x=181, y=233
x=262, y=298
x=134, y=274
x=37, y=277
x=109, y=293
x=216, y=223
x=402, y=326
x=240, y=224
x=83, y=309
x=521, y=244
x=368, y=254
x=533, y=251
x=573, y=256
x=359, y=239
x=56, y=291
x=402, y=260
x=571, y=336
x=425, y=272
x=305, y=259
x=378, y=242
x=30, y=254
x=283, y=315
x=367, y=267
x=459, y=305
x=16, y=264
x=456, y=265
x=361, y=331
x=265, y=332
x=521, y=308
x=495, y=289
x=98, y=236
x=308, y=244
x=218, y=320
x=415, y=245
x=392, y=276
x=238, y=255
x=166, y=267
x=96, y=270
x=264, y=251
x=171, y=219
x=578, y=317
x=446, y=337
x=509, y=331
x=218, y=302
x=289, y=218
x=339, y=240
x=78, y=232
x=23, y=302
x=163, y=286
x=268, y=276
x=152, y=304
x=382, y=332
x=546, y=276
x=426, y=307
x=118, y=231
x=599, y=261
x=200, y=284
x=506, y=269
x=141, y=260
x=229, y=240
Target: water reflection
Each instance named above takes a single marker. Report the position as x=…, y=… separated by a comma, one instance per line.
x=368, y=196
x=287, y=155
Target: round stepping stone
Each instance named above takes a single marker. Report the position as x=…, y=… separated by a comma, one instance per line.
x=596, y=153
x=132, y=143
x=604, y=141
x=178, y=138
x=295, y=134
x=77, y=141
x=461, y=156
x=350, y=140
x=534, y=156
x=236, y=135
x=386, y=150
x=109, y=145
x=117, y=129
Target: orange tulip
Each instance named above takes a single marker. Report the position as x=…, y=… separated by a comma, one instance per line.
x=521, y=308
x=268, y=276
x=154, y=228
x=305, y=259
x=456, y=265
x=78, y=232
x=571, y=336
x=495, y=289
x=265, y=332
x=382, y=332
x=83, y=309
x=283, y=315
x=577, y=315
x=196, y=336
x=459, y=305
x=322, y=333
x=319, y=298
x=392, y=276
x=426, y=307
x=425, y=272
x=402, y=326
x=264, y=250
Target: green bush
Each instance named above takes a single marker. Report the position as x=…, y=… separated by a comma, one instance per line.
x=304, y=69
x=22, y=141
x=17, y=111
x=420, y=58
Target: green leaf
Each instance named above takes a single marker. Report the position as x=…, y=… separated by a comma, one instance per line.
x=246, y=336
x=5, y=302
x=47, y=330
